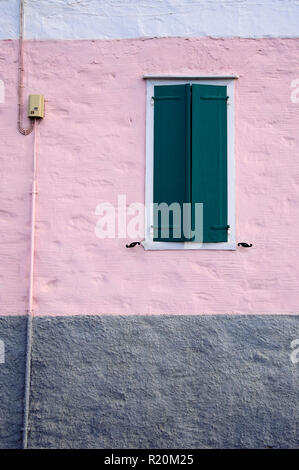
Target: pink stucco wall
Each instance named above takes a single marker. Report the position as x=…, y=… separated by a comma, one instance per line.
x=91, y=147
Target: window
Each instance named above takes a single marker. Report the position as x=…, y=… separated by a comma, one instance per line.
x=190, y=160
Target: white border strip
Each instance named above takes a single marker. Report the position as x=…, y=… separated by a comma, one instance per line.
x=148, y=243
x=190, y=77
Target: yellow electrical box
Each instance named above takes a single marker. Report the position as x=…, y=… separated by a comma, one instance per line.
x=36, y=106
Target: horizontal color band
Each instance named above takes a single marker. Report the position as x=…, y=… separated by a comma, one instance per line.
x=104, y=19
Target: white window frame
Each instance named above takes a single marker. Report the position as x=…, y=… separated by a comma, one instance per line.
x=151, y=81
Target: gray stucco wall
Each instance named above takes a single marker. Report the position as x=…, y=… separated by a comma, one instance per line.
x=12, y=333
x=153, y=382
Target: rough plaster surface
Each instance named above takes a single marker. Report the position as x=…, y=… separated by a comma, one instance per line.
x=12, y=333
x=109, y=19
x=152, y=381
x=164, y=382
x=91, y=148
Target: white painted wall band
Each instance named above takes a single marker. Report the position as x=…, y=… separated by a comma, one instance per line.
x=119, y=19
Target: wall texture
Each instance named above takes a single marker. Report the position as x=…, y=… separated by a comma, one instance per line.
x=13, y=335
x=152, y=382
x=135, y=348
x=164, y=382
x=91, y=148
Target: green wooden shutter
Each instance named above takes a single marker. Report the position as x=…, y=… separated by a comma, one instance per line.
x=209, y=158
x=171, y=154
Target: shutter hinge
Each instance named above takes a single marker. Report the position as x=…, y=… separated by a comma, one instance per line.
x=214, y=98
x=158, y=98
x=220, y=227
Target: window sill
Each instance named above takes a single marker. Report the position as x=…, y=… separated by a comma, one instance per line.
x=150, y=245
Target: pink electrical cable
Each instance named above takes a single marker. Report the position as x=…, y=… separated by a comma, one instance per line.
x=30, y=310
x=33, y=212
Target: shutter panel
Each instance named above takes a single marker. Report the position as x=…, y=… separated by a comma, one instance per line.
x=209, y=158
x=171, y=156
